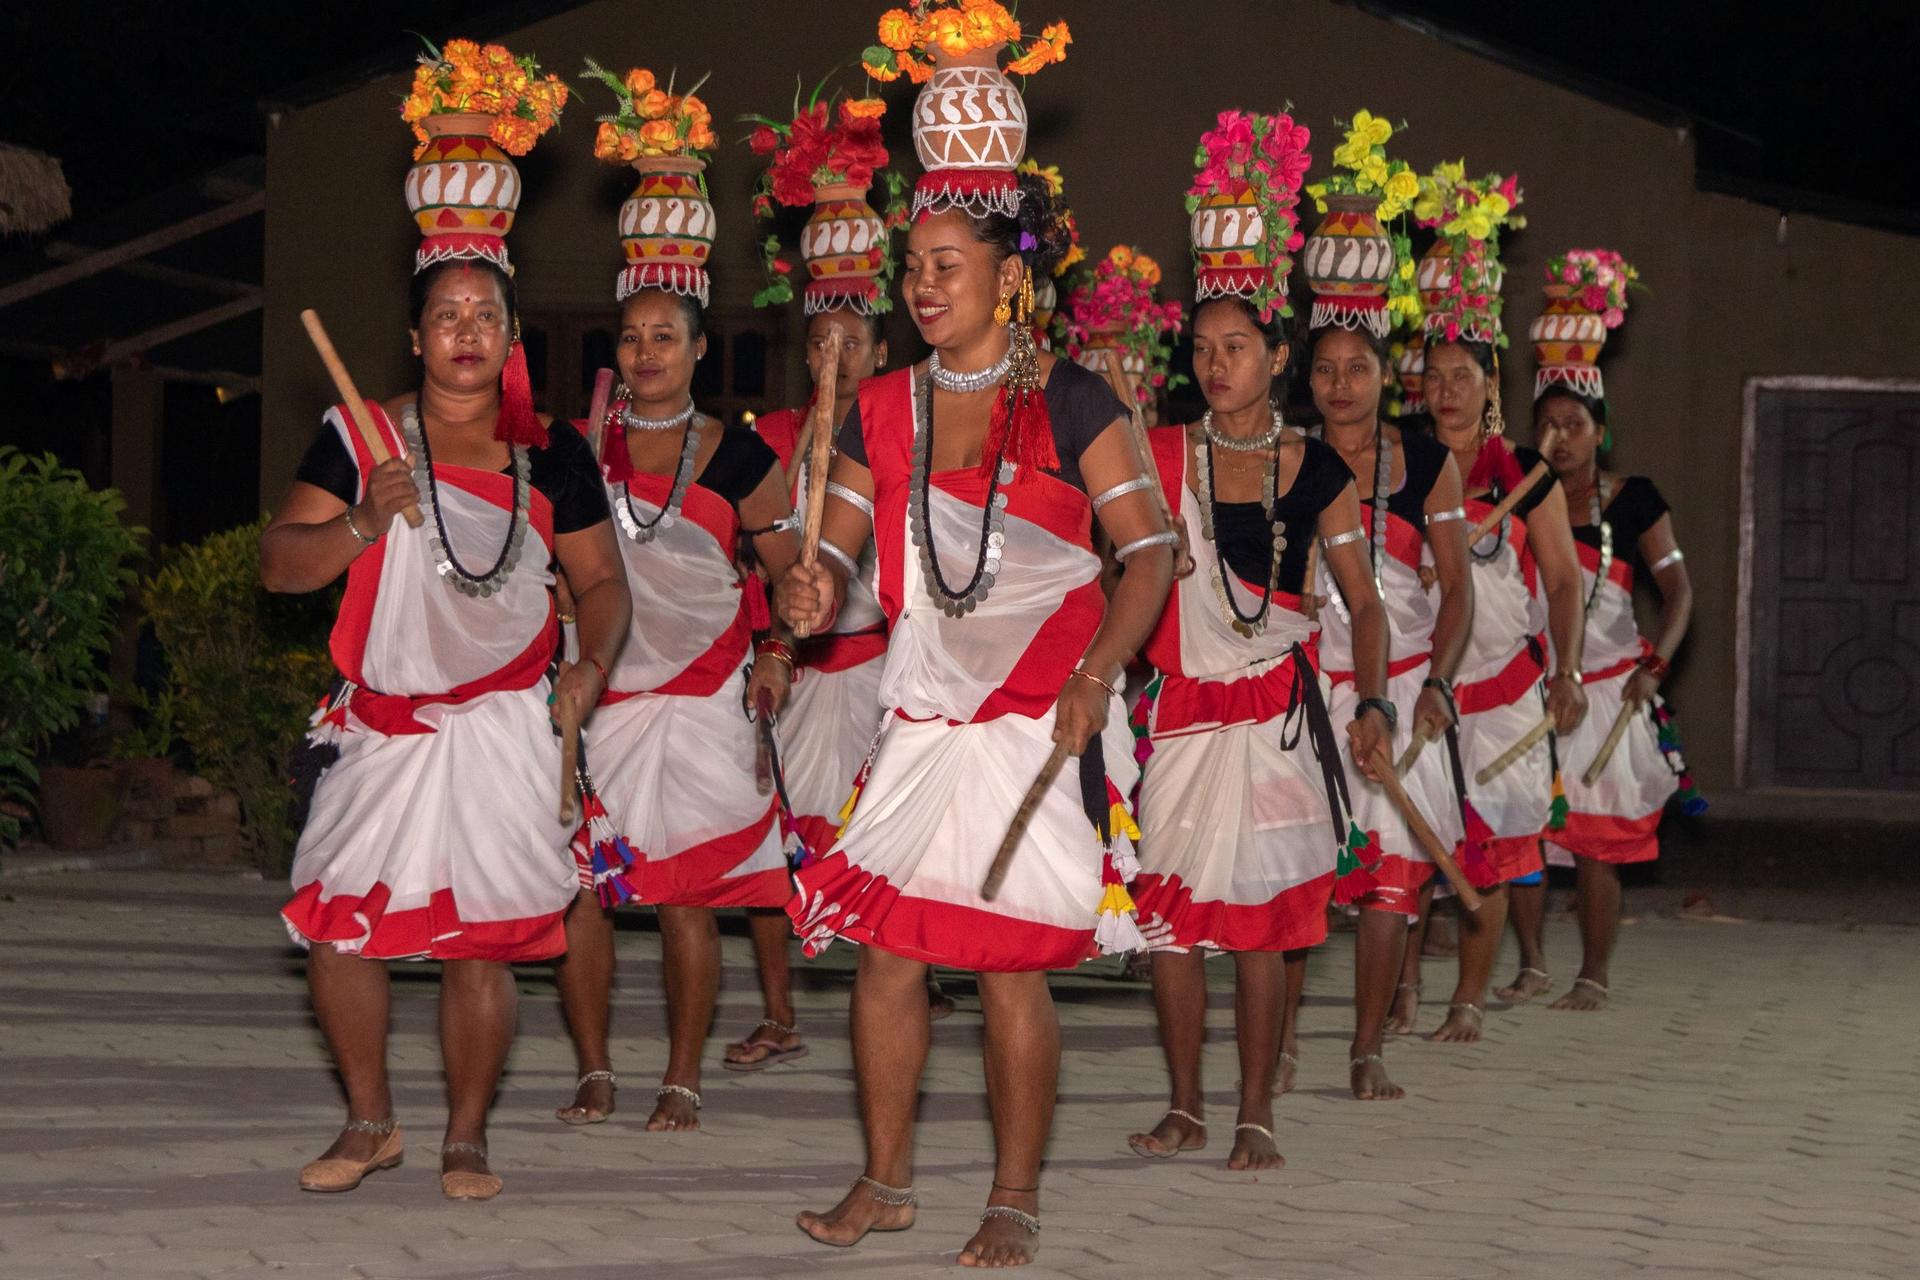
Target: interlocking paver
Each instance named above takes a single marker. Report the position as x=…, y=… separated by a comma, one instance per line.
x=161, y=1079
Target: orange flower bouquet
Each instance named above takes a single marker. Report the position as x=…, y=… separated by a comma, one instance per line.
x=909, y=38
x=650, y=120
x=466, y=78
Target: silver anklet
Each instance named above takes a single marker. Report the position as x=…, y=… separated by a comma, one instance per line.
x=591, y=1076
x=1589, y=982
x=781, y=1027
x=680, y=1090
x=891, y=1197
x=1364, y=1059
x=1469, y=1006
x=1027, y=1220
x=469, y=1148
x=1187, y=1116
x=381, y=1127
x=1260, y=1129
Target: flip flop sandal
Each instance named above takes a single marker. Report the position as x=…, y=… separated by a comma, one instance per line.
x=775, y=1055
x=1145, y=1152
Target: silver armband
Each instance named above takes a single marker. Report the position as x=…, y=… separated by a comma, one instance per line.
x=851, y=498
x=1134, y=485
x=1342, y=539
x=1164, y=538
x=1441, y=517
x=1672, y=557
x=846, y=561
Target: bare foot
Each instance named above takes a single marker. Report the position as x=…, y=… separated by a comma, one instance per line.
x=1289, y=1070
x=1406, y=1008
x=1254, y=1147
x=1368, y=1075
x=770, y=1042
x=1177, y=1131
x=858, y=1213
x=1530, y=983
x=1462, y=1025
x=1004, y=1240
x=677, y=1109
x=592, y=1100
x=1584, y=996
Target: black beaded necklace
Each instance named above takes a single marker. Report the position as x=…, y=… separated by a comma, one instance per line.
x=458, y=575
x=920, y=516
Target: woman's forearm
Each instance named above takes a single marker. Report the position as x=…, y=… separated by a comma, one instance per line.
x=1370, y=647
x=1566, y=623
x=297, y=558
x=600, y=618
x=1451, y=626
x=1676, y=614
x=1132, y=612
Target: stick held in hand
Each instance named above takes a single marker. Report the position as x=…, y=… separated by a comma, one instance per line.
x=356, y=407
x=1620, y=722
x=1423, y=834
x=597, y=410
x=820, y=426
x=1412, y=753
x=1507, y=504
x=569, y=759
x=1524, y=744
x=1022, y=817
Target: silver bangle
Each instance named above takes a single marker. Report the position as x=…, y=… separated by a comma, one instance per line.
x=1441, y=517
x=846, y=561
x=1672, y=557
x=1165, y=538
x=851, y=498
x=354, y=529
x=1342, y=539
x=1121, y=490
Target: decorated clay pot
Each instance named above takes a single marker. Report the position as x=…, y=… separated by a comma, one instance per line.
x=1434, y=278
x=666, y=228
x=969, y=115
x=1099, y=342
x=844, y=245
x=1229, y=239
x=1348, y=260
x=1567, y=338
x=463, y=188
x=1411, y=367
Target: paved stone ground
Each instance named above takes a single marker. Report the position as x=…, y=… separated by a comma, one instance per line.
x=1748, y=1108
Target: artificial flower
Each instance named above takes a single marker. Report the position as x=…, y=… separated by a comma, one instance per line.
x=1373, y=129
x=898, y=31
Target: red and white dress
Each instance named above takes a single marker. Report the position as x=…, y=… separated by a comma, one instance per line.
x=1239, y=836
x=1498, y=690
x=1617, y=819
x=432, y=831
x=1403, y=868
x=671, y=749
x=971, y=711
x=834, y=708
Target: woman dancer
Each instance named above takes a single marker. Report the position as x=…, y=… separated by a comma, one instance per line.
x=433, y=832
x=972, y=473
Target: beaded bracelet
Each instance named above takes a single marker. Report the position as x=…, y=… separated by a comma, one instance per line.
x=1655, y=665
x=354, y=529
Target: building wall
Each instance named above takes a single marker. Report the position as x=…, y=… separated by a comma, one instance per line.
x=1120, y=118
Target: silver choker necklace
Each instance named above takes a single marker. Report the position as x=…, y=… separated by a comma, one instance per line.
x=967, y=383
x=1233, y=444
x=634, y=422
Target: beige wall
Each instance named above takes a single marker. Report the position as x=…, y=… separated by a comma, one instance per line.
x=1120, y=117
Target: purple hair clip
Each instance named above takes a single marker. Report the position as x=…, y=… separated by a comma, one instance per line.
x=1027, y=242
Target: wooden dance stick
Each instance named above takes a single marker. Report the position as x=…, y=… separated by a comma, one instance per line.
x=1628, y=711
x=1420, y=739
x=1508, y=503
x=1514, y=752
x=356, y=407
x=1137, y=432
x=820, y=425
x=1424, y=834
x=1017, y=829
x=597, y=411
x=569, y=721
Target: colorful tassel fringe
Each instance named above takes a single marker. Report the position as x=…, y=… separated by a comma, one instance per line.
x=1692, y=803
x=1353, y=874
x=1558, y=811
x=605, y=851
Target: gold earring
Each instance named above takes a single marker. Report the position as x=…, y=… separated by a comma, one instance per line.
x=1026, y=297
x=1004, y=311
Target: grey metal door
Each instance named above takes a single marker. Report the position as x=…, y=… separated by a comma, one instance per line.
x=1834, y=647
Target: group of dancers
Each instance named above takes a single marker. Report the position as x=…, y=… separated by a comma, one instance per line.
x=1209, y=680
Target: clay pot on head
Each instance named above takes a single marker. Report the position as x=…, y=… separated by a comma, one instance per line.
x=1567, y=338
x=666, y=228
x=969, y=115
x=844, y=245
x=1229, y=243
x=463, y=185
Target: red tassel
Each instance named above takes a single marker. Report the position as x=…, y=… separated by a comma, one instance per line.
x=613, y=445
x=754, y=595
x=1021, y=434
x=518, y=423
x=1496, y=462
x=1474, y=863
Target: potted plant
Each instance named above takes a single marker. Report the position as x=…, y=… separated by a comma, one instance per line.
x=247, y=668
x=66, y=559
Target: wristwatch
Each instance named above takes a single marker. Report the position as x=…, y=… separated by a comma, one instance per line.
x=1441, y=683
x=1385, y=708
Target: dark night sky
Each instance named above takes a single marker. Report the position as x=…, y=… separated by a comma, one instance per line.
x=1826, y=89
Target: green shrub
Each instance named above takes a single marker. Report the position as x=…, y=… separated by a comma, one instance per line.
x=65, y=561
x=246, y=668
